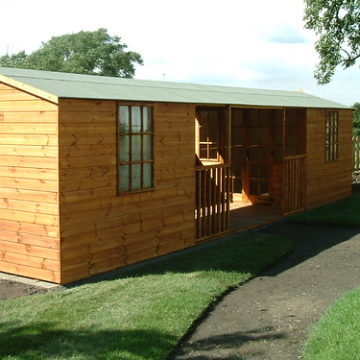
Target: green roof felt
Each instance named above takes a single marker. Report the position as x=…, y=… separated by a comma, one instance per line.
x=64, y=85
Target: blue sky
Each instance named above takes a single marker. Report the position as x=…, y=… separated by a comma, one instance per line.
x=256, y=43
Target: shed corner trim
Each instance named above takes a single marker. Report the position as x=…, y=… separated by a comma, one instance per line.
x=29, y=89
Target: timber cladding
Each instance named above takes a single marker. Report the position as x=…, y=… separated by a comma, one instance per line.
x=62, y=217
x=71, y=149
x=29, y=185
x=101, y=230
x=327, y=181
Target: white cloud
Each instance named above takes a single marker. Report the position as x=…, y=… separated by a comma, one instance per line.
x=230, y=42
x=286, y=34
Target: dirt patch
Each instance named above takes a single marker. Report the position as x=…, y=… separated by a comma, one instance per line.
x=270, y=316
x=11, y=289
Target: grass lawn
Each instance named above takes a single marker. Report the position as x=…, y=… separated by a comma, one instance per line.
x=341, y=213
x=336, y=335
x=139, y=316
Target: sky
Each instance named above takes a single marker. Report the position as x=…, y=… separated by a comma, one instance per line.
x=257, y=43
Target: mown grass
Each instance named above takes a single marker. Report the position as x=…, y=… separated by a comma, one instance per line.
x=336, y=335
x=139, y=316
x=341, y=213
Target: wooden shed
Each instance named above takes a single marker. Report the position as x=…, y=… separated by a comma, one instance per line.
x=97, y=173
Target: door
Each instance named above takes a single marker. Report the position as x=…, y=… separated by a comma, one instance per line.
x=258, y=156
x=237, y=154
x=251, y=154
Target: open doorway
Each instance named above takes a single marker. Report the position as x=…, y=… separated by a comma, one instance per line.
x=255, y=151
x=250, y=166
x=263, y=144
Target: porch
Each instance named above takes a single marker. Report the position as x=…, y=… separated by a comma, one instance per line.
x=250, y=167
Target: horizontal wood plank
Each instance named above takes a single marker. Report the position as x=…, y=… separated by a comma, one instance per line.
x=20, y=184
x=45, y=196
x=33, y=150
x=28, y=128
x=79, y=105
x=33, y=139
x=29, y=173
x=27, y=117
x=30, y=239
x=30, y=206
x=29, y=161
x=29, y=217
x=28, y=271
x=28, y=105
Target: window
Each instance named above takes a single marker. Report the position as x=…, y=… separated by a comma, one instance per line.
x=135, y=148
x=331, y=136
x=209, y=134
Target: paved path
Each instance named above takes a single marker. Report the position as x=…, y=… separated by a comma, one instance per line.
x=270, y=316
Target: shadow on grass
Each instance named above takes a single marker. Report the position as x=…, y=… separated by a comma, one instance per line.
x=309, y=241
x=48, y=341
x=215, y=347
x=267, y=250
x=345, y=212
x=237, y=253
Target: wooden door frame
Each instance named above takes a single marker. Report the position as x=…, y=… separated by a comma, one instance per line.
x=245, y=173
x=212, y=209
x=294, y=173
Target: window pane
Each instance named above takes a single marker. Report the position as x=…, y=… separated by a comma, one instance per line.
x=203, y=151
x=147, y=175
x=147, y=140
x=136, y=147
x=213, y=151
x=147, y=126
x=124, y=148
x=331, y=136
x=135, y=176
x=124, y=125
x=124, y=178
x=135, y=119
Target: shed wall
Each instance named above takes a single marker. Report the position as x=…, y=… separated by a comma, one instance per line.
x=101, y=230
x=29, y=210
x=327, y=181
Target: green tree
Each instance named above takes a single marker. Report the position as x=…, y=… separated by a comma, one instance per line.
x=85, y=52
x=356, y=119
x=337, y=24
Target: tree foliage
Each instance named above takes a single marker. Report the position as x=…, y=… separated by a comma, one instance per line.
x=337, y=23
x=356, y=118
x=85, y=52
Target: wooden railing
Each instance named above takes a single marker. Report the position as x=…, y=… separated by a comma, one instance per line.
x=212, y=199
x=294, y=180
x=356, y=147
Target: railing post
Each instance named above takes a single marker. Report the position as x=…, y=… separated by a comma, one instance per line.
x=212, y=199
x=294, y=183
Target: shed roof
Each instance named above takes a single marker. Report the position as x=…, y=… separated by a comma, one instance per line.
x=65, y=85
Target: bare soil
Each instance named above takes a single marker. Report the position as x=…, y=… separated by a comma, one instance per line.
x=270, y=316
x=10, y=289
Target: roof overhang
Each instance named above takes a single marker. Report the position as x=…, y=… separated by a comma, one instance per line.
x=29, y=89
